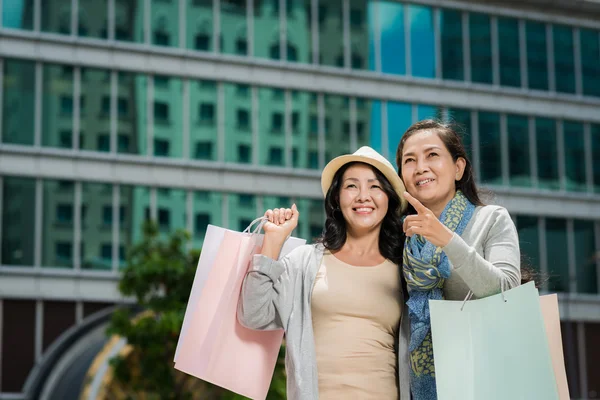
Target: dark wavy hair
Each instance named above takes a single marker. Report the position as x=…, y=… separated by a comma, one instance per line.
x=451, y=137
x=391, y=236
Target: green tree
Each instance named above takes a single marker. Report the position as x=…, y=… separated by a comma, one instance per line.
x=159, y=274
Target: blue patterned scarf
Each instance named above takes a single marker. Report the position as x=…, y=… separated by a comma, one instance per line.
x=425, y=269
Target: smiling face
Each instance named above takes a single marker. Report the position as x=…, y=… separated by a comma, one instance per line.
x=428, y=170
x=363, y=202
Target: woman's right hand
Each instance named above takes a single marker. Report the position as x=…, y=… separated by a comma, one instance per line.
x=281, y=222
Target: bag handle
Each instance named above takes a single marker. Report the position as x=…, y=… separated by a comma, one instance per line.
x=257, y=229
x=470, y=294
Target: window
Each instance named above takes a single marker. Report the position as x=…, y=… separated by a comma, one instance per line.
x=202, y=220
x=564, y=63
x=452, y=45
x=202, y=42
x=64, y=213
x=161, y=81
x=242, y=90
x=103, y=142
x=241, y=47
x=161, y=112
x=246, y=200
x=122, y=107
x=585, y=256
x=161, y=147
x=489, y=147
x=275, y=156
x=519, y=169
x=207, y=113
x=64, y=253
x=574, y=156
x=356, y=18
x=296, y=122
x=481, y=48
x=204, y=151
x=107, y=215
x=277, y=122
x=164, y=218
x=66, y=105
x=66, y=139
x=422, y=41
x=314, y=125
x=161, y=38
x=529, y=241
x=510, y=61
x=123, y=143
x=244, y=154
x=590, y=61
x=243, y=119
x=537, y=57
x=313, y=160
x=547, y=149
x=558, y=259
x=106, y=251
x=105, y=106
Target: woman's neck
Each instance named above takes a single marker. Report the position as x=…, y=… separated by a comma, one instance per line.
x=362, y=243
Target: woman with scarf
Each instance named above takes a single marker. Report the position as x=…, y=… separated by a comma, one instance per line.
x=455, y=243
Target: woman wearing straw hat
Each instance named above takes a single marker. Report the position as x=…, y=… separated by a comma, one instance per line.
x=340, y=301
x=455, y=243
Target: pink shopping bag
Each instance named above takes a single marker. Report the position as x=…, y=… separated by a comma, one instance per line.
x=549, y=305
x=212, y=345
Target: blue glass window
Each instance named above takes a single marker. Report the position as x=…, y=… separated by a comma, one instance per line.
x=590, y=61
x=537, y=55
x=564, y=59
x=575, y=156
x=481, y=48
x=422, y=41
x=547, y=149
x=519, y=169
x=391, y=21
x=489, y=148
x=510, y=60
x=452, y=45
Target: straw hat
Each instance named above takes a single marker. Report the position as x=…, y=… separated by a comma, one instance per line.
x=368, y=156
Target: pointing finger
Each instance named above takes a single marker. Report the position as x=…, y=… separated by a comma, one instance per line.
x=419, y=208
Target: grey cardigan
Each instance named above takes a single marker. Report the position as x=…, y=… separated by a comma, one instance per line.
x=277, y=294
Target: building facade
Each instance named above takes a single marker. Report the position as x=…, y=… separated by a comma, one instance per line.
x=197, y=112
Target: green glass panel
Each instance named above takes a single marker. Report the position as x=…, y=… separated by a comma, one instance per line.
x=590, y=61
x=481, y=48
x=529, y=241
x=271, y=122
x=18, y=221
x=164, y=23
x=452, y=44
x=399, y=118
x=586, y=256
x=203, y=120
x=129, y=20
x=510, y=62
x=362, y=35
x=564, y=61
x=537, y=55
x=18, y=14
x=132, y=113
x=267, y=30
x=462, y=118
x=519, y=167
x=58, y=106
x=18, y=102
x=96, y=225
x=134, y=210
x=574, y=156
x=556, y=254
x=337, y=126
x=200, y=25
x=167, y=109
x=422, y=41
x=238, y=124
x=94, y=120
x=207, y=209
x=57, y=224
x=547, y=149
x=56, y=16
x=595, y=133
x=489, y=148
x=93, y=19
x=391, y=20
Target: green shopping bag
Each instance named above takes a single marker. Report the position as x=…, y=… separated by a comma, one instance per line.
x=493, y=348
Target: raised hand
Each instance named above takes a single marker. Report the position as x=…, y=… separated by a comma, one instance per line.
x=281, y=223
x=426, y=224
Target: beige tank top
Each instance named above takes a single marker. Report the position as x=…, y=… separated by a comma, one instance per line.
x=356, y=312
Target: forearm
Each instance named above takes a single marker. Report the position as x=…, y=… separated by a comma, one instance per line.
x=484, y=277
